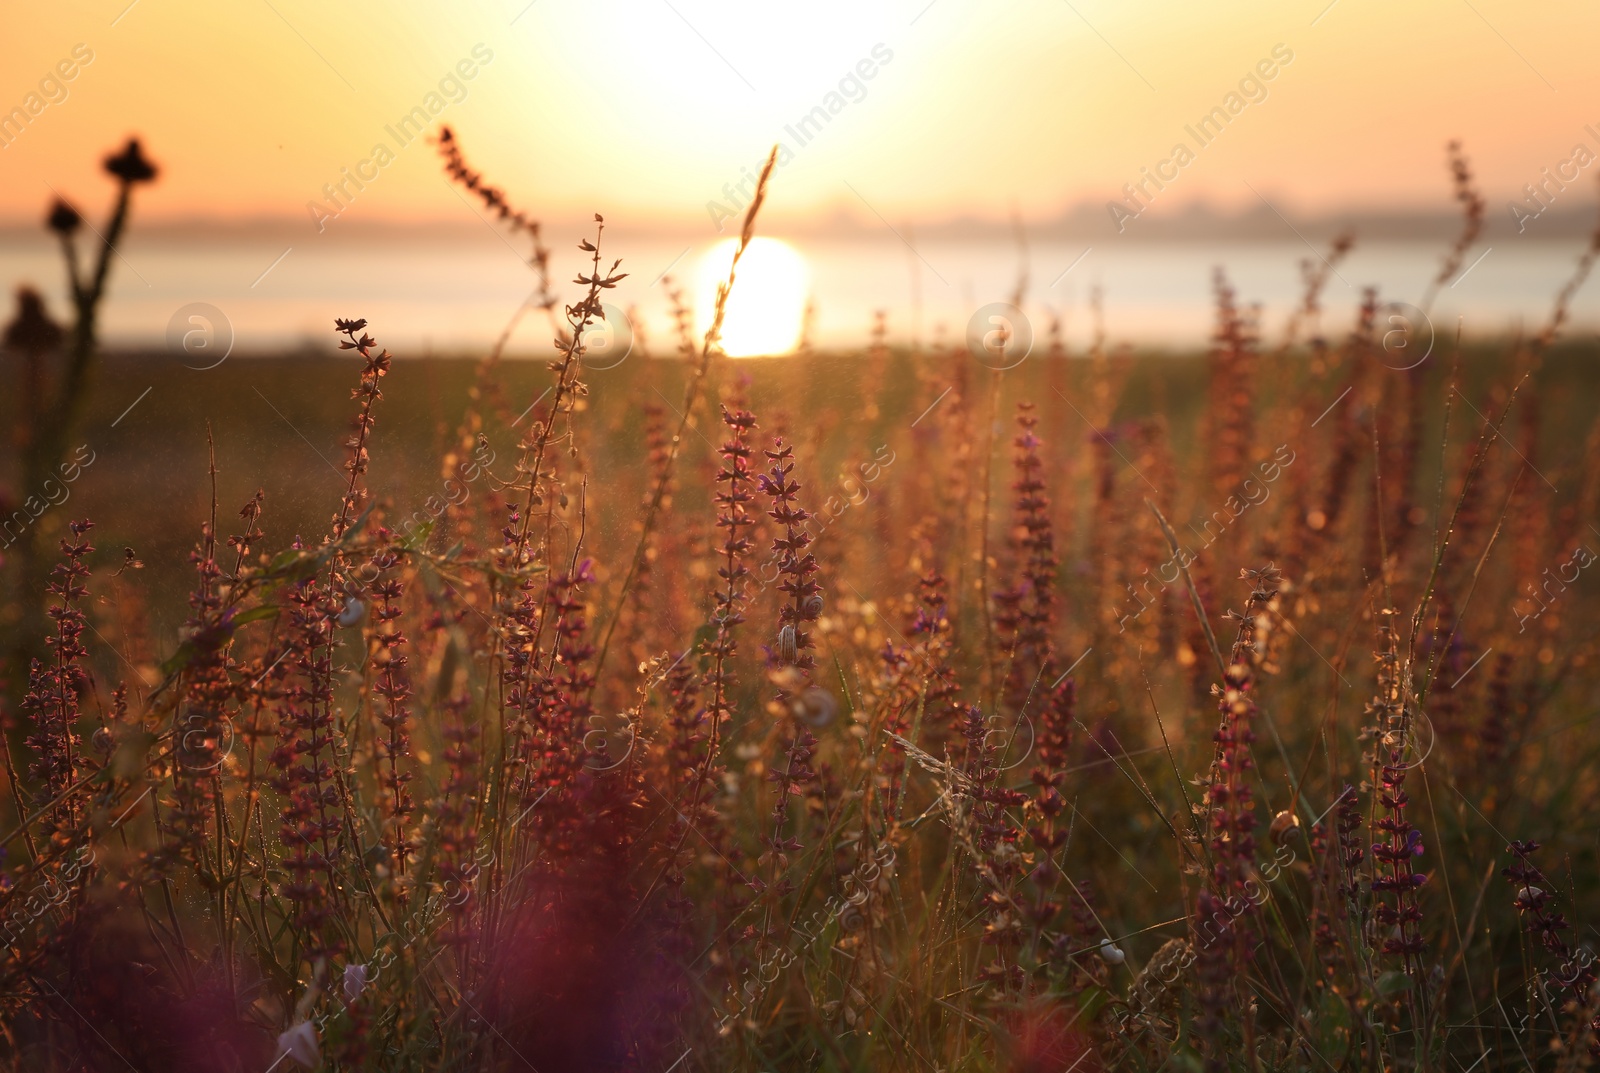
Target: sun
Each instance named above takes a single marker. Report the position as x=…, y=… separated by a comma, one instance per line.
x=766, y=311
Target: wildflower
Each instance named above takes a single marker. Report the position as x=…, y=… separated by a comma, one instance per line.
x=1351, y=852
x=1396, y=841
x=453, y=810
x=1576, y=967
x=208, y=695
x=393, y=740
x=733, y=496
x=796, y=565
x=368, y=392
x=54, y=686
x=1233, y=378
x=1027, y=611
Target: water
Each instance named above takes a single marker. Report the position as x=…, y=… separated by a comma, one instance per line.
x=452, y=293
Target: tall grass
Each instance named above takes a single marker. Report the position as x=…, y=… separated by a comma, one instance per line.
x=917, y=766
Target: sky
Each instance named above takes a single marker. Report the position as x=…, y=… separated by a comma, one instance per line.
x=658, y=109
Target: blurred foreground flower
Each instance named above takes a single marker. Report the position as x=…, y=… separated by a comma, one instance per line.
x=355, y=981
x=300, y=1043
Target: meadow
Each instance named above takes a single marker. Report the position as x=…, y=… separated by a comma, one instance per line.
x=893, y=708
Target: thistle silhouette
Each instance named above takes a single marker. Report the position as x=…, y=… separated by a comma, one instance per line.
x=53, y=414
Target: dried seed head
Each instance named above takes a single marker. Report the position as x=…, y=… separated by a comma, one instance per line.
x=131, y=165
x=1165, y=967
x=63, y=218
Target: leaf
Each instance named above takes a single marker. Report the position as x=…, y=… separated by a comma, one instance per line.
x=844, y=687
x=283, y=559
x=1187, y=1058
x=179, y=659
x=1333, y=1028
x=418, y=537
x=295, y=565
x=256, y=614
x=1392, y=983
x=1090, y=1002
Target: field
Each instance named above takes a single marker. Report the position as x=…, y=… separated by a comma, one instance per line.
x=944, y=709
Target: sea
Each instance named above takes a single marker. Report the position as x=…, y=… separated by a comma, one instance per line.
x=452, y=294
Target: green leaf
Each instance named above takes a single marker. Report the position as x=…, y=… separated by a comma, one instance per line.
x=282, y=560
x=179, y=659
x=844, y=687
x=256, y=614
x=1187, y=1058
x=1333, y=1028
x=418, y=537
x=1090, y=1002
x=294, y=565
x=1392, y=983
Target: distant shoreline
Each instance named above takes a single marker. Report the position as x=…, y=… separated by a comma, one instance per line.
x=1086, y=222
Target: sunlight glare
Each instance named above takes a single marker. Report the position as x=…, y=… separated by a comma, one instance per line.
x=766, y=311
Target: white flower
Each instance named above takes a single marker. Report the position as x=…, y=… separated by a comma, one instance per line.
x=355, y=981
x=300, y=1043
x=1112, y=952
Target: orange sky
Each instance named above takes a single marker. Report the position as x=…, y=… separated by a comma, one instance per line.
x=646, y=109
